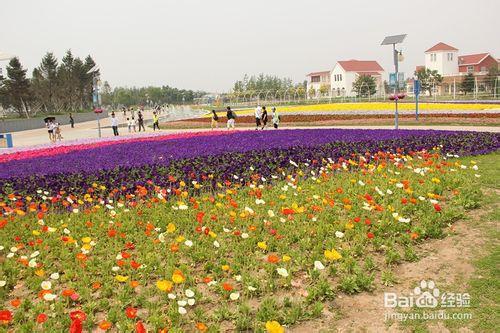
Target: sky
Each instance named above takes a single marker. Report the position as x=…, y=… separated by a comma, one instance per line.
x=209, y=44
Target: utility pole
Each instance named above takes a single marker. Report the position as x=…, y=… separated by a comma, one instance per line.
x=393, y=40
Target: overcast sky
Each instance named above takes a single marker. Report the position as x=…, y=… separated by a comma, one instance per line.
x=209, y=44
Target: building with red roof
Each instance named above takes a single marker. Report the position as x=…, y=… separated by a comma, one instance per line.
x=476, y=63
x=340, y=79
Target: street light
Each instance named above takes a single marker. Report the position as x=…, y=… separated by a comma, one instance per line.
x=96, y=99
x=393, y=40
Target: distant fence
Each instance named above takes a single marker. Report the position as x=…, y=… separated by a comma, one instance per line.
x=16, y=125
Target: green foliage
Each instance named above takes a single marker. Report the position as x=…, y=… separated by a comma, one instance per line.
x=15, y=90
x=428, y=79
x=468, y=84
x=262, y=82
x=365, y=86
x=121, y=96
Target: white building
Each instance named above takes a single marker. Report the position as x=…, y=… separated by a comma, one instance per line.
x=317, y=79
x=341, y=78
x=443, y=58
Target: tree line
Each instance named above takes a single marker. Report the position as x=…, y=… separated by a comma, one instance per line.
x=121, y=96
x=264, y=83
x=54, y=87
x=67, y=86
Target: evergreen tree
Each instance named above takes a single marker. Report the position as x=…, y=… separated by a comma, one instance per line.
x=468, y=83
x=16, y=88
x=44, y=81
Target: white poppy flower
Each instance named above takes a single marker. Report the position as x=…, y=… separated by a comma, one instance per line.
x=54, y=276
x=244, y=235
x=234, y=296
x=182, y=310
x=191, y=301
x=181, y=303
x=270, y=213
x=49, y=297
x=252, y=288
x=188, y=243
x=339, y=234
x=171, y=296
x=46, y=285
x=189, y=293
x=32, y=263
x=3, y=283
x=35, y=254
x=319, y=265
x=282, y=271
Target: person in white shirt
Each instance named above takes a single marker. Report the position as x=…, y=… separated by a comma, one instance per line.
x=134, y=123
x=258, y=115
x=129, y=125
x=114, y=124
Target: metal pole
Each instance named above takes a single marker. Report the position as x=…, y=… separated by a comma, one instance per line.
x=396, y=115
x=416, y=106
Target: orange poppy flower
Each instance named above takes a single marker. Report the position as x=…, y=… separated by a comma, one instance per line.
x=105, y=325
x=68, y=292
x=15, y=302
x=201, y=327
x=273, y=259
x=227, y=286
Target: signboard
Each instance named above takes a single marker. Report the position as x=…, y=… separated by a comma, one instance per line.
x=392, y=79
x=6, y=140
x=416, y=87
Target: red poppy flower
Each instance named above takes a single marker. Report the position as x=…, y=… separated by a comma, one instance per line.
x=437, y=208
x=139, y=327
x=370, y=235
x=41, y=318
x=77, y=315
x=5, y=316
x=131, y=312
x=76, y=326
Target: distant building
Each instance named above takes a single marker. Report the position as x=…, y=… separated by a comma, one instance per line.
x=476, y=63
x=341, y=78
x=443, y=58
x=453, y=67
x=316, y=79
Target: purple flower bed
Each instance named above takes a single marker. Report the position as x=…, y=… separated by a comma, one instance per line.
x=134, y=163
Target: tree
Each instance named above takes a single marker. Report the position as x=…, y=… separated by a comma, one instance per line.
x=491, y=79
x=312, y=92
x=428, y=79
x=16, y=88
x=324, y=89
x=468, y=84
x=365, y=86
x=44, y=81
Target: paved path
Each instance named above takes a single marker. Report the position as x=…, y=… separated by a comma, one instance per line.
x=88, y=130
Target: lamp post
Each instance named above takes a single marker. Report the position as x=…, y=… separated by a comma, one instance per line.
x=393, y=40
x=96, y=99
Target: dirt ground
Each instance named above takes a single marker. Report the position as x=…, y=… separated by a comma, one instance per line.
x=447, y=261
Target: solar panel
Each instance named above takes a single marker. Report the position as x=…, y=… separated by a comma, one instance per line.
x=393, y=39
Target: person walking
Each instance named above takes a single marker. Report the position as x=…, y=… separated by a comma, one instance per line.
x=134, y=124
x=276, y=118
x=129, y=125
x=141, y=121
x=258, y=115
x=215, y=119
x=50, y=129
x=57, y=131
x=71, y=121
x=114, y=124
x=263, y=117
x=156, y=121
x=231, y=118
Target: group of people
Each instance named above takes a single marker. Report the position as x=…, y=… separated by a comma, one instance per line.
x=261, y=118
x=54, y=129
x=132, y=122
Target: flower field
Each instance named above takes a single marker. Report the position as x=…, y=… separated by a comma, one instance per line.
x=378, y=106
x=222, y=231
